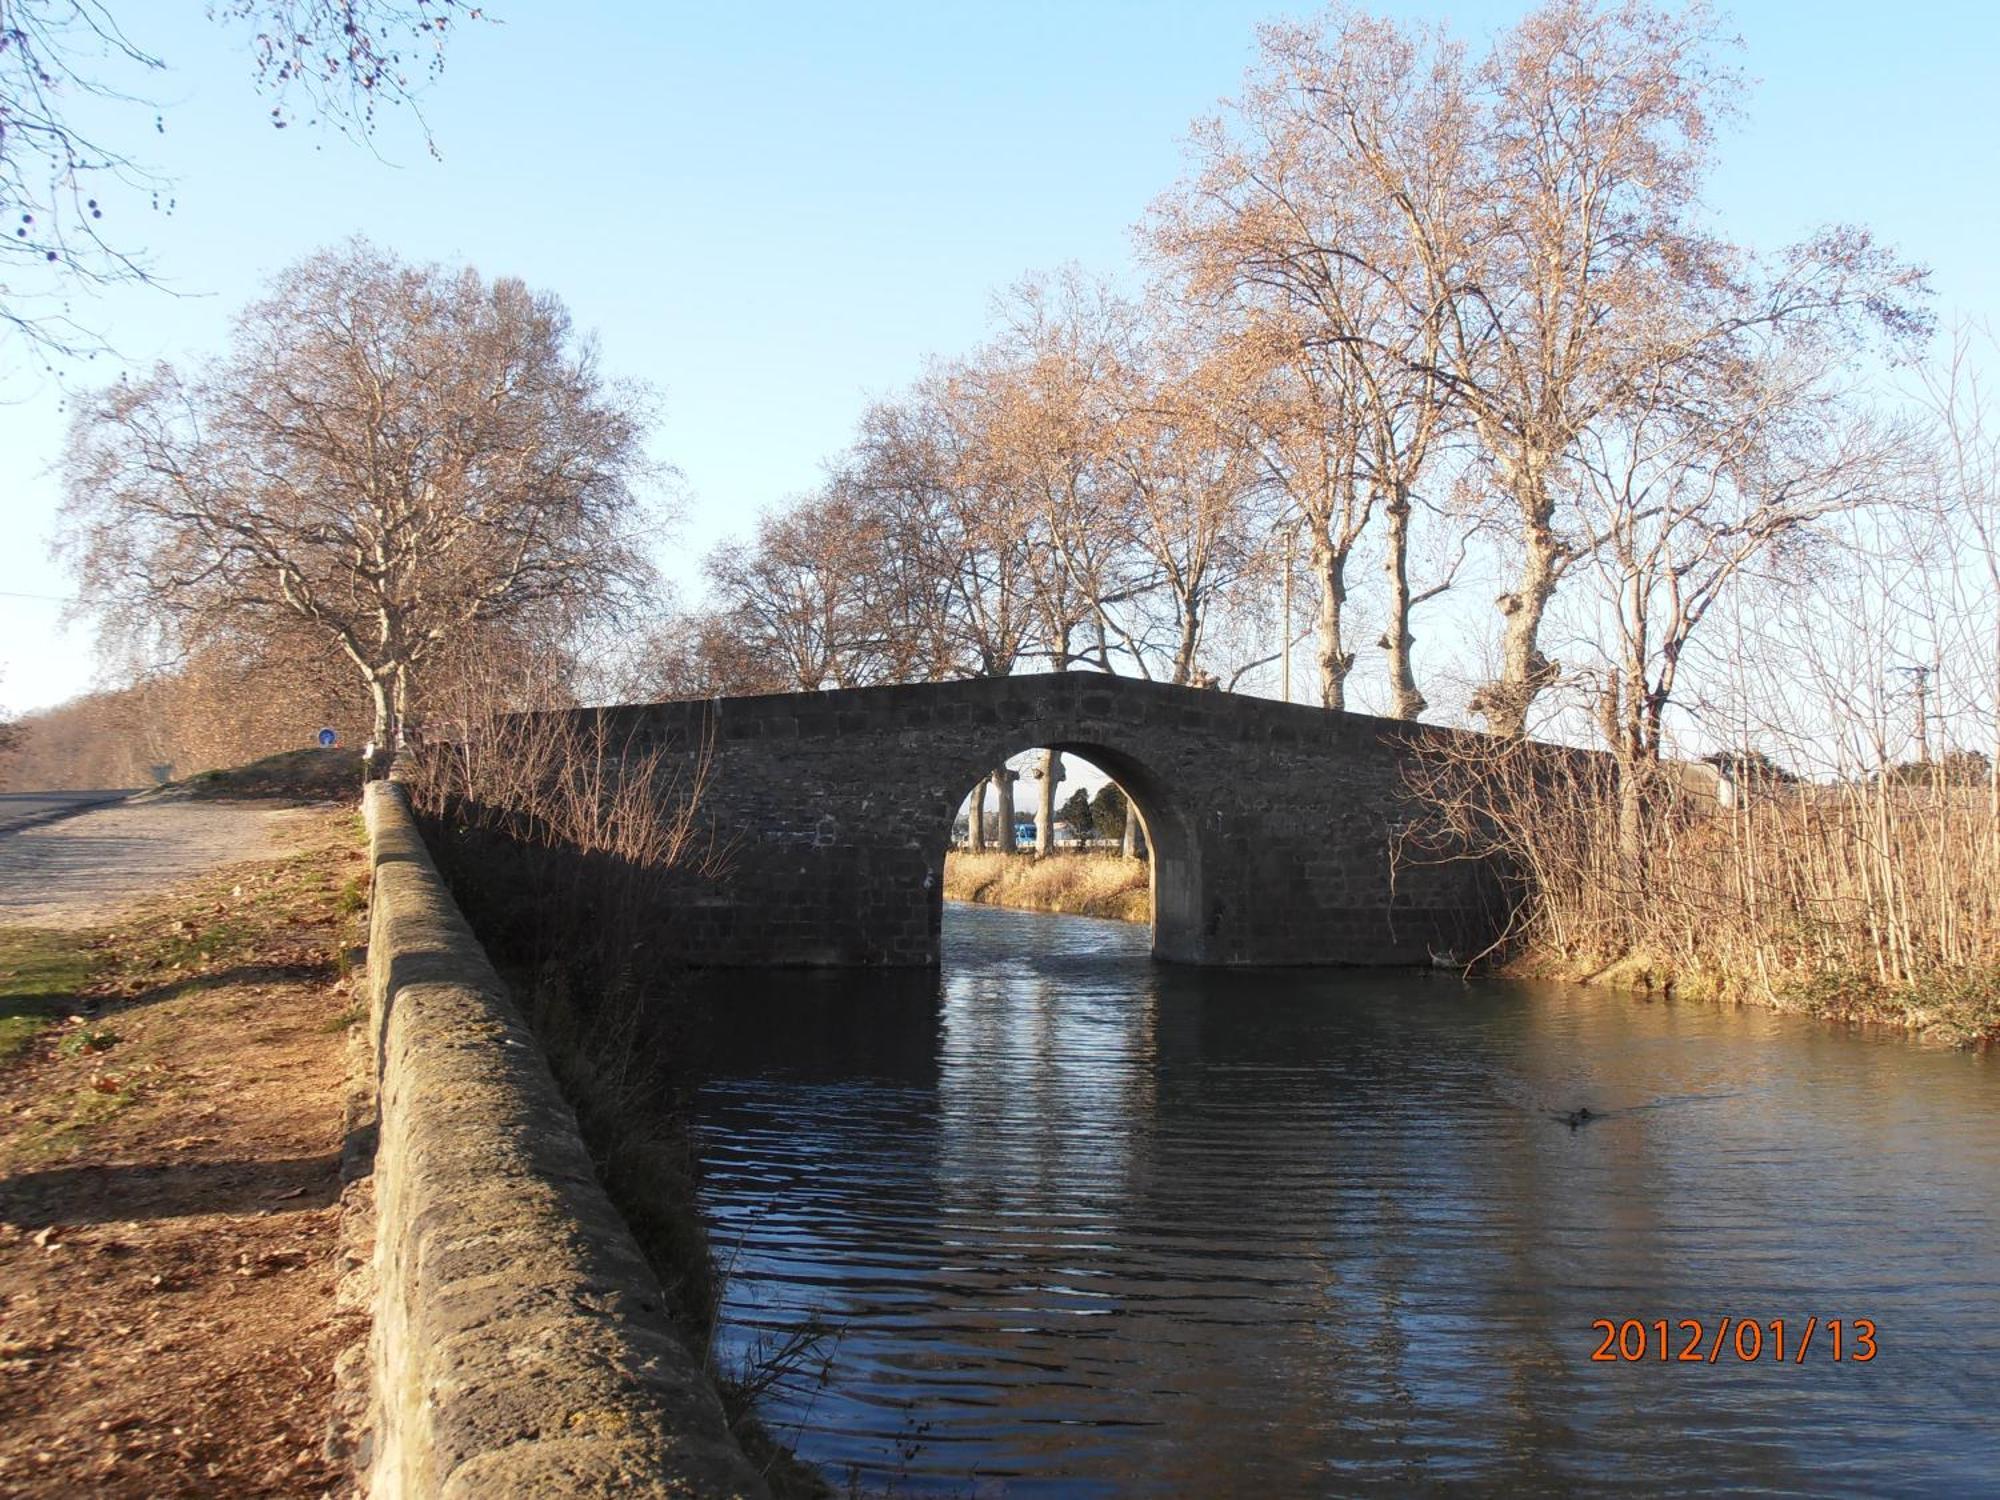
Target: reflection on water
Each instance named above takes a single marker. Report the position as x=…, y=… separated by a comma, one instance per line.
x=1090, y=1225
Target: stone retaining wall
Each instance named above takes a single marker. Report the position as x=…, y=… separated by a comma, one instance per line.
x=521, y=1344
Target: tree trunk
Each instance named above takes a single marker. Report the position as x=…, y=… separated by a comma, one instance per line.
x=1128, y=842
x=1632, y=771
x=385, y=715
x=1405, y=702
x=1621, y=720
x=405, y=695
x=1524, y=671
x=1190, y=638
x=1045, y=810
x=1003, y=794
x=382, y=743
x=1330, y=572
x=975, y=822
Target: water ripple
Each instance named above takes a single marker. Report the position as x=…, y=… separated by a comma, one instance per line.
x=1086, y=1225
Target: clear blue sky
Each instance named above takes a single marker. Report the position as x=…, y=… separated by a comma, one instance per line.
x=772, y=213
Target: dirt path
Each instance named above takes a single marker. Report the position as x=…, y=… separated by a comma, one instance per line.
x=81, y=872
x=169, y=1155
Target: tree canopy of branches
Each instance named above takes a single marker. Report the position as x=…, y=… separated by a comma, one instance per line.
x=1457, y=311
x=227, y=704
x=66, y=190
x=1068, y=494
x=1512, y=245
x=400, y=462
x=1404, y=293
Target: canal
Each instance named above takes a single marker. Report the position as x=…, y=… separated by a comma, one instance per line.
x=1076, y=1223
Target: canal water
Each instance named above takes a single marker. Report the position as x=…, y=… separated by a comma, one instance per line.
x=1076, y=1223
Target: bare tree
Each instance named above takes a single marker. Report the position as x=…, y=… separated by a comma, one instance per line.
x=393, y=457
x=235, y=700
x=1535, y=221
x=1593, y=136
x=1966, y=495
x=63, y=187
x=805, y=598
x=1044, y=406
x=971, y=525
x=1191, y=506
x=1693, y=487
x=1042, y=398
x=1291, y=233
x=903, y=474
x=1304, y=424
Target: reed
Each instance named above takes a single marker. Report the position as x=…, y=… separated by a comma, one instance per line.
x=1072, y=883
x=1870, y=898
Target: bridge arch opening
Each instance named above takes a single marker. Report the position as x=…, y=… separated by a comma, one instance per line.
x=968, y=852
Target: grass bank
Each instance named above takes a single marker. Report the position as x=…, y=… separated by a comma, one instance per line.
x=1071, y=883
x=41, y=975
x=308, y=775
x=170, y=1131
x=1958, y=1009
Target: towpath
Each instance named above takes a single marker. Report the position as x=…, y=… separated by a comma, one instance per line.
x=19, y=809
x=81, y=870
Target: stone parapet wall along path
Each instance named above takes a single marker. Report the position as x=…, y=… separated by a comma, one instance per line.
x=521, y=1343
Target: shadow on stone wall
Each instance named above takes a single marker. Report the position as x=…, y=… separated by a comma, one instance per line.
x=584, y=940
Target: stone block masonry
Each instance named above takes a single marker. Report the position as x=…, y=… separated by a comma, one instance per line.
x=521, y=1344
x=1272, y=826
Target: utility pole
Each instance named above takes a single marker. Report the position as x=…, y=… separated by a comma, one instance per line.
x=1923, y=717
x=1920, y=677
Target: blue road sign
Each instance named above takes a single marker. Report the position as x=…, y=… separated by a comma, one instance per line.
x=328, y=738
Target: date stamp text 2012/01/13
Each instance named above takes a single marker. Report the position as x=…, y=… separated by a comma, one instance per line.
x=1695, y=1341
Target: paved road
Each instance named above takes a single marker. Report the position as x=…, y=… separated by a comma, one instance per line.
x=17, y=809
x=81, y=870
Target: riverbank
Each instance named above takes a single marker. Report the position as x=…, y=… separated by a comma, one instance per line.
x=1067, y=884
x=1871, y=898
x=1957, y=1010
x=170, y=1136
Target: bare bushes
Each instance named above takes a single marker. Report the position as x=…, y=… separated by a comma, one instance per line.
x=561, y=842
x=1078, y=885
x=567, y=836
x=1872, y=898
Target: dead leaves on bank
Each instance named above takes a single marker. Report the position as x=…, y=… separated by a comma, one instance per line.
x=168, y=1198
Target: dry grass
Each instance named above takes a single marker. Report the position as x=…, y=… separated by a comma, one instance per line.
x=1865, y=899
x=1073, y=884
x=310, y=775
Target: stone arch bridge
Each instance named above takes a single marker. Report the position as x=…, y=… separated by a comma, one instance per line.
x=1270, y=825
